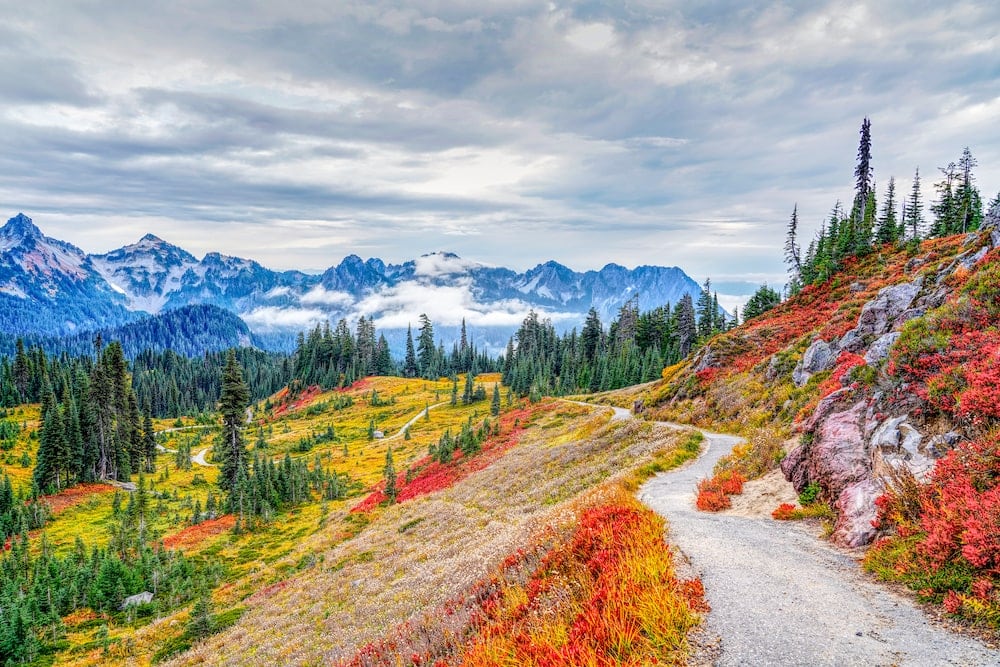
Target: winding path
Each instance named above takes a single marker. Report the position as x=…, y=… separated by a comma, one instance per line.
x=780, y=596
x=402, y=431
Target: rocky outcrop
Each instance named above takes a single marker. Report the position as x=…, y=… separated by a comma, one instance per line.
x=138, y=599
x=879, y=350
x=849, y=445
x=819, y=357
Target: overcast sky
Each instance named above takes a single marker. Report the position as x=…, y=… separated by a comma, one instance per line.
x=637, y=132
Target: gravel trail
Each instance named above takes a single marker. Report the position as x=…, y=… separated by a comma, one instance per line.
x=780, y=596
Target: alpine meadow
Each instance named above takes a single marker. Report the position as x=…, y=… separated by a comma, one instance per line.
x=359, y=411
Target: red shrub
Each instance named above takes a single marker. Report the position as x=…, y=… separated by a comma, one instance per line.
x=194, y=535
x=713, y=493
x=732, y=483
x=784, y=512
x=710, y=500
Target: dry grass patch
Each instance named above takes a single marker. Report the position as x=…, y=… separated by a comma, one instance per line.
x=417, y=556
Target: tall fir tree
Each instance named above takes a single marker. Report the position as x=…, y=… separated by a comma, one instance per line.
x=793, y=253
x=426, y=350
x=706, y=312
x=863, y=179
x=389, y=473
x=235, y=398
x=888, y=226
x=969, y=201
x=410, y=368
x=914, y=218
x=687, y=327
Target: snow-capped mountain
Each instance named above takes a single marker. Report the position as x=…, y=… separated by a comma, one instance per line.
x=74, y=291
x=47, y=285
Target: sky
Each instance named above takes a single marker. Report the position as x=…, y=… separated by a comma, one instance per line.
x=508, y=132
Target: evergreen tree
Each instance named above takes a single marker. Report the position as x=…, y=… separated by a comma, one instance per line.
x=410, y=368
x=467, y=393
x=232, y=454
x=793, y=253
x=390, y=477
x=148, y=443
x=200, y=622
x=687, y=328
x=968, y=200
x=864, y=185
x=914, y=218
x=426, y=351
x=383, y=358
x=706, y=311
x=888, y=226
x=591, y=335
x=945, y=209
x=763, y=300
x=495, y=403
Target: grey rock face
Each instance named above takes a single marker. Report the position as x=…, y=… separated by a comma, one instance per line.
x=819, y=357
x=879, y=350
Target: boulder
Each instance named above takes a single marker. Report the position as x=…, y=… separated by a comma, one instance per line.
x=838, y=456
x=135, y=600
x=856, y=511
x=896, y=443
x=968, y=261
x=879, y=315
x=705, y=358
x=824, y=408
x=879, y=350
x=794, y=468
x=819, y=357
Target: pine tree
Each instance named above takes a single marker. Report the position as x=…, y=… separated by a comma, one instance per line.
x=383, y=357
x=591, y=335
x=233, y=405
x=763, y=300
x=945, y=209
x=467, y=393
x=200, y=622
x=495, y=403
x=863, y=172
x=52, y=459
x=914, y=218
x=968, y=200
x=426, y=350
x=793, y=253
x=706, y=313
x=888, y=227
x=410, y=361
x=148, y=443
x=687, y=328
x=390, y=477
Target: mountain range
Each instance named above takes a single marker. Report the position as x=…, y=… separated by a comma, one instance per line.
x=50, y=287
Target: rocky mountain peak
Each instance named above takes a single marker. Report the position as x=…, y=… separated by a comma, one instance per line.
x=20, y=227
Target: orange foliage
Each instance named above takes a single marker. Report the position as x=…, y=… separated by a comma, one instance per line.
x=784, y=512
x=604, y=595
x=713, y=494
x=75, y=495
x=194, y=535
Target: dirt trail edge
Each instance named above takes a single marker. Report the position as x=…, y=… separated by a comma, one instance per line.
x=780, y=596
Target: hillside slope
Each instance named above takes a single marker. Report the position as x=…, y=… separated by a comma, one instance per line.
x=882, y=370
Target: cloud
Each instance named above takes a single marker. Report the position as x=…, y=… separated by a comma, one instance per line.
x=278, y=292
x=437, y=265
x=322, y=296
x=271, y=318
x=401, y=305
x=511, y=133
